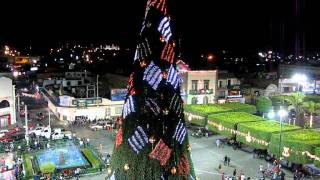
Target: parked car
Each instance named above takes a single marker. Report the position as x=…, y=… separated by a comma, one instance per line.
x=46, y=132
x=18, y=136
x=67, y=134
x=98, y=126
x=6, y=139
x=3, y=132
x=57, y=135
x=37, y=131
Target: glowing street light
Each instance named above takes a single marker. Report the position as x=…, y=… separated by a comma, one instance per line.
x=299, y=78
x=271, y=115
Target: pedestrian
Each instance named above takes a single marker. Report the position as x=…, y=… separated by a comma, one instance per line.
x=228, y=161
x=220, y=169
x=225, y=160
x=242, y=177
x=218, y=143
x=81, y=143
x=235, y=173
x=222, y=176
x=261, y=168
x=282, y=175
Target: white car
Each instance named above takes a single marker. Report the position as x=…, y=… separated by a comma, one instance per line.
x=46, y=132
x=3, y=132
x=67, y=134
x=98, y=126
x=37, y=131
x=57, y=135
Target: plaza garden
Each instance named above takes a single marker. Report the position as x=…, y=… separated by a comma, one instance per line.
x=237, y=123
x=65, y=158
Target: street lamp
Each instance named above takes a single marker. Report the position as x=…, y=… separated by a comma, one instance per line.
x=282, y=113
x=271, y=114
x=299, y=78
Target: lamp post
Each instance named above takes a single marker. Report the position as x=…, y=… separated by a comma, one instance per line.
x=299, y=78
x=282, y=113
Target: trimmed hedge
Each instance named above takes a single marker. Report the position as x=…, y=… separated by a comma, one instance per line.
x=317, y=153
x=240, y=107
x=297, y=141
x=230, y=120
x=261, y=130
x=28, y=165
x=94, y=161
x=204, y=109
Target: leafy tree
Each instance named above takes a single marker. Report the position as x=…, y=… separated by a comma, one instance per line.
x=296, y=100
x=263, y=104
x=47, y=168
x=312, y=108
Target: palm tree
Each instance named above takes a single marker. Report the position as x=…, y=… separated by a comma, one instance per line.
x=296, y=100
x=312, y=108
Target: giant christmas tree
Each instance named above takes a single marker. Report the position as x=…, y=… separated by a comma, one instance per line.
x=152, y=142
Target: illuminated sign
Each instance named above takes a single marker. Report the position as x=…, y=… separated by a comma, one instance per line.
x=118, y=94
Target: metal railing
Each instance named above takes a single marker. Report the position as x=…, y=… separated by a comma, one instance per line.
x=201, y=91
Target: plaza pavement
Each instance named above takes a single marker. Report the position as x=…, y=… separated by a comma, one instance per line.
x=205, y=155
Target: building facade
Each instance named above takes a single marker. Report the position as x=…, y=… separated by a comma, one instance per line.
x=199, y=87
x=228, y=88
x=7, y=102
x=288, y=83
x=70, y=108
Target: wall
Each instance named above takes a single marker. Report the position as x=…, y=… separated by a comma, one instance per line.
x=7, y=93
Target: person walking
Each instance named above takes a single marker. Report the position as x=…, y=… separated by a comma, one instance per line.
x=220, y=169
x=218, y=143
x=235, y=173
x=225, y=162
x=228, y=161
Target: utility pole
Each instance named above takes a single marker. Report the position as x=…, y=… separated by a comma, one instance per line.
x=26, y=123
x=49, y=118
x=14, y=114
x=18, y=97
x=97, y=90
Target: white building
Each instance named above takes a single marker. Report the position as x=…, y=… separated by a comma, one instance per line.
x=199, y=87
x=228, y=89
x=7, y=102
x=70, y=108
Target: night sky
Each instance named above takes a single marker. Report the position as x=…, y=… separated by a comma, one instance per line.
x=239, y=26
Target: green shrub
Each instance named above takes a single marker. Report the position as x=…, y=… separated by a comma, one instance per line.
x=204, y=109
x=240, y=107
x=317, y=153
x=47, y=168
x=229, y=121
x=28, y=165
x=262, y=130
x=94, y=161
x=298, y=142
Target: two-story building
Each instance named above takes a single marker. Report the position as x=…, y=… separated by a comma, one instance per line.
x=7, y=102
x=199, y=87
x=228, y=89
